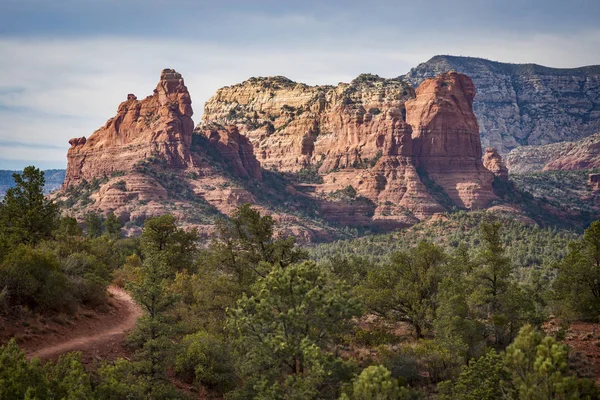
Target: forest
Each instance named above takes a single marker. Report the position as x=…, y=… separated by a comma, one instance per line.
x=458, y=308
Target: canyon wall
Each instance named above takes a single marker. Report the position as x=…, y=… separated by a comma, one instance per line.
x=376, y=135
x=576, y=155
x=160, y=125
x=447, y=147
x=525, y=104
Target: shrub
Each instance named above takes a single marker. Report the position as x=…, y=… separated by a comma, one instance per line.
x=33, y=279
x=205, y=360
x=89, y=277
x=20, y=379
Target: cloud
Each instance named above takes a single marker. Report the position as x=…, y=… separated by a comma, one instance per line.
x=53, y=89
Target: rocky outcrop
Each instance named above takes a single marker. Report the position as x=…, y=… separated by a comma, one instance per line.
x=355, y=135
x=493, y=162
x=159, y=126
x=525, y=104
x=446, y=145
x=359, y=135
x=578, y=155
x=292, y=125
x=234, y=148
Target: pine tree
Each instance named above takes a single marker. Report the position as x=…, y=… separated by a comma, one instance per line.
x=283, y=332
x=406, y=289
x=26, y=216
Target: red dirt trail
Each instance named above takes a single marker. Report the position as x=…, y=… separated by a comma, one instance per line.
x=99, y=337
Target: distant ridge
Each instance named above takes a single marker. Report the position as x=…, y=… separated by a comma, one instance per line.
x=54, y=178
x=525, y=104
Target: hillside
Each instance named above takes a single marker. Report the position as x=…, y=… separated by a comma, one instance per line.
x=575, y=155
x=525, y=104
x=372, y=154
x=54, y=179
x=527, y=244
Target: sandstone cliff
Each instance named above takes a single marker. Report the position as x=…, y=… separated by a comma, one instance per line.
x=378, y=154
x=494, y=163
x=577, y=155
x=359, y=135
x=234, y=148
x=148, y=161
x=446, y=145
x=525, y=104
x=292, y=124
x=160, y=125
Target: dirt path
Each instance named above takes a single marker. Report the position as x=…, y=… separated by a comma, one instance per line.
x=98, y=338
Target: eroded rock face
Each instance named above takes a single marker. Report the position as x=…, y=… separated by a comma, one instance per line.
x=160, y=126
x=355, y=134
x=525, y=104
x=235, y=148
x=447, y=147
x=493, y=162
x=292, y=125
x=359, y=134
x=565, y=156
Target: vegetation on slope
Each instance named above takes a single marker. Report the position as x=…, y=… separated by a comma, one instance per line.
x=446, y=313
x=527, y=245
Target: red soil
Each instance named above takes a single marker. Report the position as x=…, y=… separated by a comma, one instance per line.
x=98, y=335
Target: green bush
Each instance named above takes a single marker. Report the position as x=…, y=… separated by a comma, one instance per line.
x=205, y=360
x=33, y=279
x=20, y=379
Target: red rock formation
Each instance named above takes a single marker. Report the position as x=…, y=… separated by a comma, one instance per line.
x=160, y=126
x=291, y=124
x=565, y=156
x=235, y=149
x=447, y=146
x=584, y=154
x=493, y=162
x=393, y=182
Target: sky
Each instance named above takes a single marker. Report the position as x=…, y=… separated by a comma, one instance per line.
x=65, y=65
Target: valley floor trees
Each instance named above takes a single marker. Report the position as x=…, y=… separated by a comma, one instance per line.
x=249, y=316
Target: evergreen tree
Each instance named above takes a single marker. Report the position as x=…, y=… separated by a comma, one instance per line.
x=538, y=370
x=20, y=379
x=406, y=289
x=93, y=224
x=496, y=296
x=577, y=286
x=482, y=379
x=68, y=379
x=245, y=242
x=26, y=216
x=374, y=383
x=456, y=322
x=153, y=330
x=283, y=332
x=112, y=225
x=150, y=289
x=176, y=247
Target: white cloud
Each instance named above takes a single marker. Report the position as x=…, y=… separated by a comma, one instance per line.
x=55, y=89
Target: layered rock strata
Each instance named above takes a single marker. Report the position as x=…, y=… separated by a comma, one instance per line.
x=525, y=104
x=493, y=162
x=359, y=135
x=234, y=148
x=292, y=125
x=447, y=146
x=578, y=155
x=160, y=125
